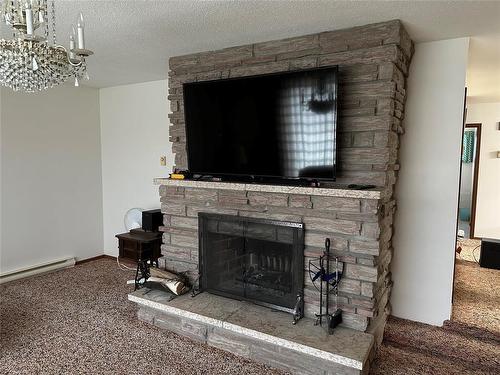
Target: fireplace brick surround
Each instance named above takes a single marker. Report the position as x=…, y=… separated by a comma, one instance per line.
x=373, y=65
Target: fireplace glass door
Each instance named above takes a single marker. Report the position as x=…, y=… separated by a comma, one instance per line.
x=252, y=259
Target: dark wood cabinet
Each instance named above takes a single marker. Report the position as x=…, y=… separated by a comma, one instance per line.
x=139, y=245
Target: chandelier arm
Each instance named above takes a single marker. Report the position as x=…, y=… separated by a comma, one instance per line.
x=72, y=63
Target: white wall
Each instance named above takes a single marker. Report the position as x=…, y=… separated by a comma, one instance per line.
x=488, y=194
x=466, y=185
x=427, y=189
x=134, y=135
x=51, y=176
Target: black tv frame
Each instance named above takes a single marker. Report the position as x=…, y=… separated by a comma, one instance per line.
x=256, y=178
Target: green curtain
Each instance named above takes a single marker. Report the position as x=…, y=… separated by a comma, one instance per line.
x=468, y=149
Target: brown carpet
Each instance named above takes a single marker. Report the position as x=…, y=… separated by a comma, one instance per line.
x=470, y=344
x=477, y=296
x=78, y=321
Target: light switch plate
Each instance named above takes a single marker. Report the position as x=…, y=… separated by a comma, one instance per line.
x=163, y=161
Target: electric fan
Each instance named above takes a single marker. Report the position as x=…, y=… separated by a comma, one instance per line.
x=133, y=219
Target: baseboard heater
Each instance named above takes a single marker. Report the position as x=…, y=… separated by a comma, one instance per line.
x=37, y=269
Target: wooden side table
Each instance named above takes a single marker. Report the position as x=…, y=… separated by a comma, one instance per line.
x=140, y=245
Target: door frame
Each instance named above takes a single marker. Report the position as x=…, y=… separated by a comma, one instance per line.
x=474, y=192
x=475, y=177
x=464, y=122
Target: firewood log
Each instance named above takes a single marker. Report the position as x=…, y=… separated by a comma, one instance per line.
x=172, y=281
x=164, y=274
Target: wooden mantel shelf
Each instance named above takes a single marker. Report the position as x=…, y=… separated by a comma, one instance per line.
x=343, y=192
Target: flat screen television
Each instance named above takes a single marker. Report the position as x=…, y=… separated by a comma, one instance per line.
x=274, y=126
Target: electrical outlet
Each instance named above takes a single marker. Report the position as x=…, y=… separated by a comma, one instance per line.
x=163, y=161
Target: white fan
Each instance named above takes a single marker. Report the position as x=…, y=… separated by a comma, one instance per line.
x=133, y=219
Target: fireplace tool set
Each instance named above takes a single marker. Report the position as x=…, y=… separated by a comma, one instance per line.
x=326, y=283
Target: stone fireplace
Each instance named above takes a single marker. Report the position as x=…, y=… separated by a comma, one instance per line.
x=357, y=222
x=373, y=63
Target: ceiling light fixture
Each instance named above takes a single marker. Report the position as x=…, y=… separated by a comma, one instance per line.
x=29, y=61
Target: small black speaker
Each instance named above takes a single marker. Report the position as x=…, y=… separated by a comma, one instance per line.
x=151, y=220
x=490, y=254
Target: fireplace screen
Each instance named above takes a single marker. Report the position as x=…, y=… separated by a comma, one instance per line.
x=252, y=259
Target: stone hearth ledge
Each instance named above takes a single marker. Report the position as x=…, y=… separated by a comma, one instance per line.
x=375, y=193
x=345, y=347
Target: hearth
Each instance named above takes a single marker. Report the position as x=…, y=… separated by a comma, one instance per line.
x=252, y=259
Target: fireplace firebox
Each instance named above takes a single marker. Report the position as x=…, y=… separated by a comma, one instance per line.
x=256, y=260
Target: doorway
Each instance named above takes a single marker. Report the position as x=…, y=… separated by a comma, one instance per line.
x=476, y=300
x=468, y=244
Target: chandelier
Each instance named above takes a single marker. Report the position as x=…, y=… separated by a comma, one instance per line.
x=33, y=60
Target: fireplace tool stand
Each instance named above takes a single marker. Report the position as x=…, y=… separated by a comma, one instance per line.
x=142, y=272
x=326, y=283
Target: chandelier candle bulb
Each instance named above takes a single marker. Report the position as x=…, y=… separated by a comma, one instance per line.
x=72, y=44
x=41, y=15
x=29, y=19
x=80, y=32
x=20, y=12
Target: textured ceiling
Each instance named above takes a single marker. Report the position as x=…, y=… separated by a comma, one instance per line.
x=133, y=40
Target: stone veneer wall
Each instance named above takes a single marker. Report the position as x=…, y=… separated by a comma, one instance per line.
x=373, y=63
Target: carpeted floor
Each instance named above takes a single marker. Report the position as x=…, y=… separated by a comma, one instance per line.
x=78, y=321
x=477, y=296
x=469, y=344
x=413, y=348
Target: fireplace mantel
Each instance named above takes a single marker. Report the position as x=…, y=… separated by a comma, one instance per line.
x=341, y=192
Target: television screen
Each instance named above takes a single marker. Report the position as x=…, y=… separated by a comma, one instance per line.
x=277, y=125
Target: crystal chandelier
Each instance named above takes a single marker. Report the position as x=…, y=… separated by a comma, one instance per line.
x=30, y=61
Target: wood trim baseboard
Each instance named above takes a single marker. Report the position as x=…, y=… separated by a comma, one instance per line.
x=94, y=258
